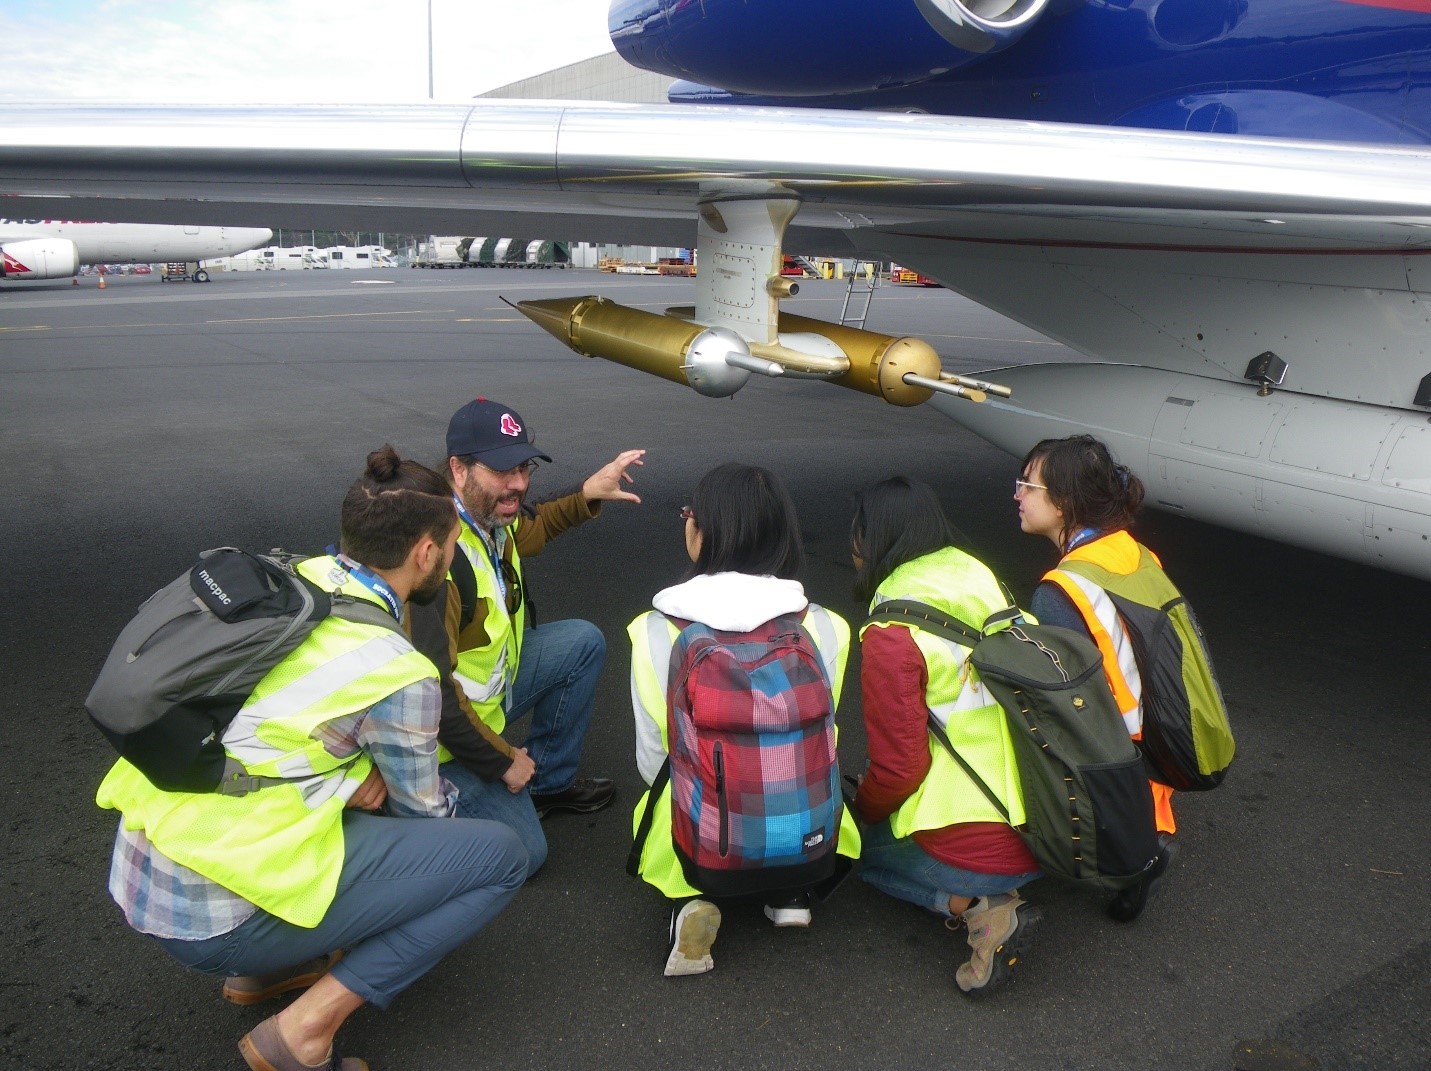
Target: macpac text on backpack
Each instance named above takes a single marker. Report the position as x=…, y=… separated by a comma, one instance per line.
x=213, y=586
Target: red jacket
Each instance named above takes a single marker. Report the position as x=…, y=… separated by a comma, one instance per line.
x=893, y=681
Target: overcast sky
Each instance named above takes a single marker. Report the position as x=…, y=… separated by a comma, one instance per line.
x=292, y=51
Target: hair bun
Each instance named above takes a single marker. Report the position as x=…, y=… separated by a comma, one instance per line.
x=383, y=464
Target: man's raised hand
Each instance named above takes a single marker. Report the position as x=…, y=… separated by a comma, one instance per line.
x=604, y=485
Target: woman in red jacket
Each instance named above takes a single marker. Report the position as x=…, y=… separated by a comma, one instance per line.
x=934, y=839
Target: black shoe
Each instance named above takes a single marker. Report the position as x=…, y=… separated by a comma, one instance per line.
x=586, y=794
x=1129, y=904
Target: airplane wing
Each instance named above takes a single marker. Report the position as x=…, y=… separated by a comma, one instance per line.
x=1295, y=265
x=1043, y=217
x=638, y=164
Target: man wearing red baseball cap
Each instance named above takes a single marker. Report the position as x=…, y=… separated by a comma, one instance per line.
x=497, y=664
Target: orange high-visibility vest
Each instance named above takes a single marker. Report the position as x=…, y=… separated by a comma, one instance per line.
x=1120, y=553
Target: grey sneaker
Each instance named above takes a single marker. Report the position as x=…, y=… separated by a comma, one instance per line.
x=693, y=931
x=997, y=936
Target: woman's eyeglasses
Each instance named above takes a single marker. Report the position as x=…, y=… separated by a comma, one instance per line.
x=686, y=514
x=1024, y=485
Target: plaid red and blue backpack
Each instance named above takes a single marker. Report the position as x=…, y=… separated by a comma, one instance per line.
x=755, y=796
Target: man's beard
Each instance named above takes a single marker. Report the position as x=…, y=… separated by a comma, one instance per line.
x=482, y=507
x=426, y=589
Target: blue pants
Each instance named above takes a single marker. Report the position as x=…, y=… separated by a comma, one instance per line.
x=903, y=869
x=493, y=801
x=411, y=890
x=556, y=681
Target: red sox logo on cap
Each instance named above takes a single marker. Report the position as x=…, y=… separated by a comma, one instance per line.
x=510, y=426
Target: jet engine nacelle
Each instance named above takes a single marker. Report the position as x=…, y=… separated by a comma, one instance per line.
x=827, y=48
x=39, y=258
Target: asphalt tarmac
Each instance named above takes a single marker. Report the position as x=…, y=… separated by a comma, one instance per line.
x=145, y=422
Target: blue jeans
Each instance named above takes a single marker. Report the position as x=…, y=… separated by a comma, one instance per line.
x=901, y=868
x=493, y=801
x=411, y=890
x=556, y=681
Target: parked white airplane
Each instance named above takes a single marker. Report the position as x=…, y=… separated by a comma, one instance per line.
x=55, y=248
x=1260, y=305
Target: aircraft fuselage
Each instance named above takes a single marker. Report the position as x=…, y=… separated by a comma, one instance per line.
x=45, y=248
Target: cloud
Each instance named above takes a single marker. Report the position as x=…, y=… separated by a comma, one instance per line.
x=287, y=51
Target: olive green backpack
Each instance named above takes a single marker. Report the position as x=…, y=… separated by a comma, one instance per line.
x=1087, y=804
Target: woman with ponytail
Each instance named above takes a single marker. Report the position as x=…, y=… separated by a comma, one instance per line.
x=1074, y=494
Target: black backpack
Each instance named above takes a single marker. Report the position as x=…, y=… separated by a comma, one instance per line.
x=1088, y=807
x=192, y=655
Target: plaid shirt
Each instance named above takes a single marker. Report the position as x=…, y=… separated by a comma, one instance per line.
x=162, y=898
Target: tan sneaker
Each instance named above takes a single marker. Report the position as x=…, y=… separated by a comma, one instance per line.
x=996, y=936
x=693, y=931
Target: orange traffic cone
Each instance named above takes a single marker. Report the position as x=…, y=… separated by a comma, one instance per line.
x=101, y=282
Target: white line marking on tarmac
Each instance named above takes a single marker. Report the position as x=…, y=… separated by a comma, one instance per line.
x=329, y=316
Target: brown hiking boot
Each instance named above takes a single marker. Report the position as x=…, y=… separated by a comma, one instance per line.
x=996, y=936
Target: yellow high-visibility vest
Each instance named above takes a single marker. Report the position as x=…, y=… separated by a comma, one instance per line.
x=281, y=847
x=961, y=586
x=487, y=673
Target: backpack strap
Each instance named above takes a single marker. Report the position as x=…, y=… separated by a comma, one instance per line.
x=466, y=581
x=922, y=615
x=362, y=612
x=943, y=738
x=930, y=619
x=643, y=828
x=236, y=780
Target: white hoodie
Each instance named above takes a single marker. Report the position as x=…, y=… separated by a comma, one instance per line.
x=730, y=602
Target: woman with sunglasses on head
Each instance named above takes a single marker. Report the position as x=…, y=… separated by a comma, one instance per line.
x=933, y=837
x=1075, y=495
x=735, y=676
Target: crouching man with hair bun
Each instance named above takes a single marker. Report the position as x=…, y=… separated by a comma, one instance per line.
x=262, y=888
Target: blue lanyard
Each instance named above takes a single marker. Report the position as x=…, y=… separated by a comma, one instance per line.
x=488, y=546
x=1085, y=535
x=374, y=583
